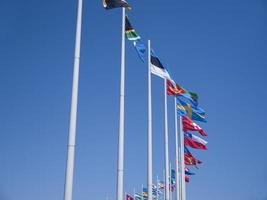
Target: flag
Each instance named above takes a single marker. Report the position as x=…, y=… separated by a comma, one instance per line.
x=110, y=4
x=189, y=125
x=129, y=30
x=189, y=158
x=138, y=196
x=129, y=197
x=187, y=179
x=161, y=185
x=194, y=141
x=140, y=49
x=175, y=89
x=172, y=174
x=196, y=138
x=186, y=108
x=157, y=68
x=188, y=172
x=145, y=193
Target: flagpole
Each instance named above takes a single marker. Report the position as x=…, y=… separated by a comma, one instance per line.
x=149, y=141
x=165, y=185
x=157, y=187
x=73, y=113
x=121, y=119
x=167, y=191
x=182, y=160
x=176, y=151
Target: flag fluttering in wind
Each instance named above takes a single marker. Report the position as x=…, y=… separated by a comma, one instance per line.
x=187, y=179
x=145, y=193
x=129, y=31
x=175, y=89
x=188, y=172
x=189, y=125
x=161, y=185
x=189, y=158
x=129, y=197
x=140, y=49
x=186, y=108
x=138, y=196
x=157, y=68
x=110, y=4
x=194, y=141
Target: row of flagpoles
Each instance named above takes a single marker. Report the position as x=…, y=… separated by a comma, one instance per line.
x=185, y=105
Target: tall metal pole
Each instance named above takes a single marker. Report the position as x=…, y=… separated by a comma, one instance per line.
x=182, y=160
x=176, y=151
x=73, y=113
x=121, y=119
x=149, y=133
x=166, y=142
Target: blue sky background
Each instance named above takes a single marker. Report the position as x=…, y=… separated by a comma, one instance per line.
x=215, y=48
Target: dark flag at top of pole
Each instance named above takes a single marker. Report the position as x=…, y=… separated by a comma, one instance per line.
x=110, y=4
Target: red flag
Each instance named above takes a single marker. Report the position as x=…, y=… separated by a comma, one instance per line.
x=189, y=125
x=129, y=197
x=187, y=179
x=191, y=143
x=174, y=90
x=190, y=160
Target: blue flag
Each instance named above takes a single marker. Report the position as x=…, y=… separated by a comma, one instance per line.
x=140, y=49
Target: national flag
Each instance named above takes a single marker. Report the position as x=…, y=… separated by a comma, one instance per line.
x=161, y=185
x=188, y=172
x=187, y=179
x=145, y=193
x=138, y=196
x=172, y=174
x=110, y=4
x=189, y=109
x=189, y=158
x=129, y=30
x=175, y=89
x=140, y=49
x=157, y=68
x=194, y=141
x=189, y=125
x=129, y=197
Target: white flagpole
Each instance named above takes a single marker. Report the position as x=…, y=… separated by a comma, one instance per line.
x=149, y=141
x=164, y=185
x=167, y=191
x=73, y=113
x=170, y=170
x=182, y=160
x=121, y=119
x=157, y=188
x=176, y=151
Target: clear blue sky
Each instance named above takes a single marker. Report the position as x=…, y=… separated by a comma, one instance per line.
x=215, y=48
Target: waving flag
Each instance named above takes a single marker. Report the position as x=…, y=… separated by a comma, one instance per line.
x=157, y=68
x=110, y=4
x=129, y=31
x=175, y=89
x=187, y=179
x=138, y=196
x=145, y=193
x=129, y=197
x=140, y=49
x=189, y=125
x=186, y=108
x=188, y=172
x=189, y=158
x=161, y=185
x=194, y=141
